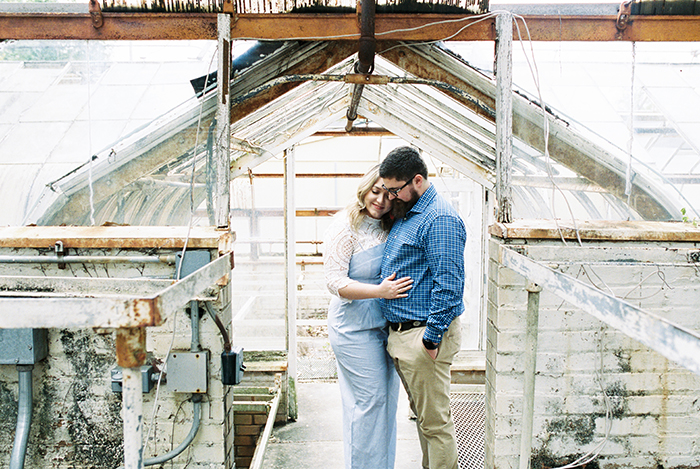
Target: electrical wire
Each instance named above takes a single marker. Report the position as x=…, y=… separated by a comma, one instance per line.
x=182, y=254
x=92, y=193
x=595, y=452
x=545, y=125
x=628, y=172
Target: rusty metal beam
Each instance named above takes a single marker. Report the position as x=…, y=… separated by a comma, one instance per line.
x=344, y=27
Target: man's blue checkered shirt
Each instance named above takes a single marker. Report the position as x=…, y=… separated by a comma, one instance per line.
x=428, y=246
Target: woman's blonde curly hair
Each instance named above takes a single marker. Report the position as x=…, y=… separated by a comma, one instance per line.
x=357, y=210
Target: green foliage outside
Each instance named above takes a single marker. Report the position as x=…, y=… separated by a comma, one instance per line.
x=686, y=218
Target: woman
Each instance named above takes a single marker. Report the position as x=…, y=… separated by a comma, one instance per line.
x=369, y=385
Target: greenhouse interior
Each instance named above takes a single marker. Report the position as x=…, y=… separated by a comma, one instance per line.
x=163, y=298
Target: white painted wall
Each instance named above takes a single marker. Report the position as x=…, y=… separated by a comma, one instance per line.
x=655, y=403
x=77, y=419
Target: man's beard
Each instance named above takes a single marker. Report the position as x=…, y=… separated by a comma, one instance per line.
x=401, y=208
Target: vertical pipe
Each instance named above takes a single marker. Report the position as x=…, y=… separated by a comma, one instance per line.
x=194, y=322
x=223, y=124
x=24, y=416
x=504, y=115
x=290, y=287
x=133, y=416
x=530, y=368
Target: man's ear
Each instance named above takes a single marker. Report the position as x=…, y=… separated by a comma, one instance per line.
x=419, y=180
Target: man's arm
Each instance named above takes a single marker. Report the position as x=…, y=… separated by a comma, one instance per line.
x=444, y=247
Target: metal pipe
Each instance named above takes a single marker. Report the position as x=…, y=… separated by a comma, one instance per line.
x=24, y=416
x=169, y=259
x=194, y=322
x=261, y=446
x=197, y=407
x=530, y=368
x=196, y=399
x=133, y=411
x=219, y=324
x=195, y=346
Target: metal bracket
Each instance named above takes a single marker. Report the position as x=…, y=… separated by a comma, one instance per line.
x=623, y=16
x=58, y=249
x=229, y=7
x=96, y=14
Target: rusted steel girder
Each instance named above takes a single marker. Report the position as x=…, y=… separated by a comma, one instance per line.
x=365, y=55
x=131, y=346
x=343, y=27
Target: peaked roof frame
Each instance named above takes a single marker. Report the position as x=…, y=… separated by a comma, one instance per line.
x=460, y=134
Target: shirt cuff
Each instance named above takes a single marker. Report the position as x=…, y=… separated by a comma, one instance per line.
x=433, y=335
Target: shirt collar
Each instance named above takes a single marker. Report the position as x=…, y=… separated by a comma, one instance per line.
x=424, y=200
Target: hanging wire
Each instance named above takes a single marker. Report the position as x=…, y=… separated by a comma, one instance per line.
x=182, y=257
x=628, y=173
x=545, y=127
x=92, y=157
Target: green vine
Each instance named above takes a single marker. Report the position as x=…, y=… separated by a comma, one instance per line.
x=686, y=218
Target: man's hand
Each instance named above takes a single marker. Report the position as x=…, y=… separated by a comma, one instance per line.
x=431, y=348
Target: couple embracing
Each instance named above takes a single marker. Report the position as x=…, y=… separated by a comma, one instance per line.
x=394, y=261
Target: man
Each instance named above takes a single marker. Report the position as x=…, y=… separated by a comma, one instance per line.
x=426, y=243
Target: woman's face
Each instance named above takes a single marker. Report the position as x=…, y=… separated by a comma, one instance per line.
x=377, y=201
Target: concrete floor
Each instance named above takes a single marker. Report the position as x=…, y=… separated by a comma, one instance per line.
x=315, y=440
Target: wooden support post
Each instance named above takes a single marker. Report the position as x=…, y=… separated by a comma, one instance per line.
x=504, y=116
x=222, y=202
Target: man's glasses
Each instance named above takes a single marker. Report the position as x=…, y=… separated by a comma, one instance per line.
x=394, y=190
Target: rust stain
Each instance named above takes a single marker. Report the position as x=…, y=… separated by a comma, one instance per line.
x=145, y=312
x=131, y=347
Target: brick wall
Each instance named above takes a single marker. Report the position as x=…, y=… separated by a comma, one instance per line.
x=654, y=403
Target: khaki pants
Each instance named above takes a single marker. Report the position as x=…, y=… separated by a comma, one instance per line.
x=427, y=384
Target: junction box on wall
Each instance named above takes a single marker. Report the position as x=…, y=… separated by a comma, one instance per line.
x=23, y=346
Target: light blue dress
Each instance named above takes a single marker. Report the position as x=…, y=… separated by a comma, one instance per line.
x=369, y=385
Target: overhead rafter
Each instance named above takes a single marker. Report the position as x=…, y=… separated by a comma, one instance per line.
x=328, y=26
x=154, y=148
x=565, y=145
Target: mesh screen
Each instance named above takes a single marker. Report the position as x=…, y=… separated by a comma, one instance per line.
x=468, y=415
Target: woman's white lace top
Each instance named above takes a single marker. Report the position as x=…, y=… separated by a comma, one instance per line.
x=341, y=242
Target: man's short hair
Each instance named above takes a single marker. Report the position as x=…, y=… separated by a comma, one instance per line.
x=402, y=164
